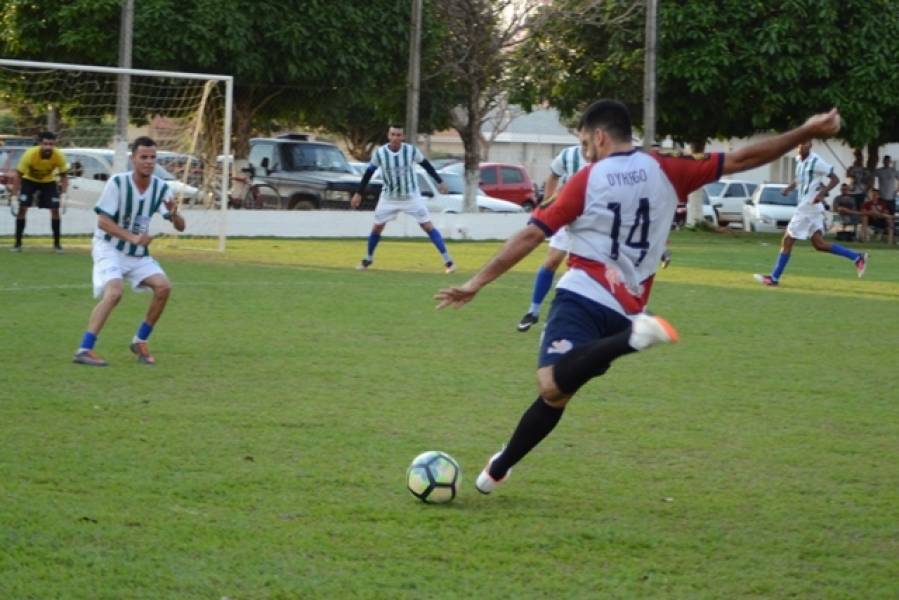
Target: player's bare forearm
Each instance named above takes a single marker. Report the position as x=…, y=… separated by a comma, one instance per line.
x=178, y=221
x=517, y=247
x=754, y=155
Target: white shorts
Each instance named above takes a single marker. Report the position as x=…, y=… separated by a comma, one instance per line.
x=110, y=264
x=387, y=209
x=803, y=226
x=560, y=240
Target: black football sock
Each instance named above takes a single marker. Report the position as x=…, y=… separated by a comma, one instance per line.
x=583, y=363
x=20, y=229
x=535, y=424
x=54, y=224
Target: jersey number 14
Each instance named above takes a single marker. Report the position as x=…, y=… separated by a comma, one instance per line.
x=638, y=236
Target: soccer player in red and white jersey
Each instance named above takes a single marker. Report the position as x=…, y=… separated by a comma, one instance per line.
x=618, y=212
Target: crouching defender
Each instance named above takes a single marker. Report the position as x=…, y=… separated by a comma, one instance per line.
x=618, y=211
x=120, y=249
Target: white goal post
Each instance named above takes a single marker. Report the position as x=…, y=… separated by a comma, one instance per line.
x=187, y=114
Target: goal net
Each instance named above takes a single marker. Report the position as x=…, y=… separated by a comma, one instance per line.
x=188, y=115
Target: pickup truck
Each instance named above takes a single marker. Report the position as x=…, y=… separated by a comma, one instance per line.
x=305, y=175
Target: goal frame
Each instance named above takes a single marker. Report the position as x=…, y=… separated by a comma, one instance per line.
x=226, y=127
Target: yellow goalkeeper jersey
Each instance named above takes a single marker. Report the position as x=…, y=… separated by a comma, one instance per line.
x=41, y=170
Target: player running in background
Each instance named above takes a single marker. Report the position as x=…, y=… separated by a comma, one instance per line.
x=120, y=249
x=35, y=178
x=618, y=212
x=400, y=192
x=808, y=220
x=566, y=163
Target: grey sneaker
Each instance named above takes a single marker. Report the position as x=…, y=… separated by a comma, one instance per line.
x=16, y=248
x=89, y=358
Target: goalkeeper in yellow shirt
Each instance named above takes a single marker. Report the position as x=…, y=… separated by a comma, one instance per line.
x=36, y=180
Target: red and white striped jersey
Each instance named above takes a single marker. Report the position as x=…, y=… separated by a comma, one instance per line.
x=619, y=212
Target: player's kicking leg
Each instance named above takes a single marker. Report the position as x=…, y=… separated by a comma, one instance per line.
x=572, y=352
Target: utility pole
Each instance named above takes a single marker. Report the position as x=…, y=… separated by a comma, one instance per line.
x=124, y=86
x=413, y=82
x=649, y=75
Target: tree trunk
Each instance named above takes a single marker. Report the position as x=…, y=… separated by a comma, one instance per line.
x=873, y=156
x=243, y=124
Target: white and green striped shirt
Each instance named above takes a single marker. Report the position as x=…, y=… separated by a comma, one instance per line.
x=810, y=174
x=568, y=162
x=398, y=170
x=122, y=202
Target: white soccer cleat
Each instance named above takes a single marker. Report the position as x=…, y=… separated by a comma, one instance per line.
x=647, y=331
x=485, y=483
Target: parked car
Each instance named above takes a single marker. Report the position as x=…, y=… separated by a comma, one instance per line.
x=453, y=200
x=728, y=197
x=770, y=211
x=708, y=213
x=358, y=167
x=9, y=159
x=305, y=175
x=89, y=168
x=505, y=181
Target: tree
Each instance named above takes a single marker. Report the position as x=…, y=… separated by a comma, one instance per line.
x=726, y=68
x=480, y=35
x=323, y=62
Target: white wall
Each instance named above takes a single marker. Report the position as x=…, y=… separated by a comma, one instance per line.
x=288, y=224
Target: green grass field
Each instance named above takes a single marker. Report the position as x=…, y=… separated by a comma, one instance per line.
x=264, y=456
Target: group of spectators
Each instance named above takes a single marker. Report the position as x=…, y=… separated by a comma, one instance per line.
x=862, y=202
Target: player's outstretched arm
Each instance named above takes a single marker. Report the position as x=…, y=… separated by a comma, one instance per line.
x=516, y=247
x=822, y=125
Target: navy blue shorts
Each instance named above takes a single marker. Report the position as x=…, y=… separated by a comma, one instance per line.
x=47, y=194
x=574, y=321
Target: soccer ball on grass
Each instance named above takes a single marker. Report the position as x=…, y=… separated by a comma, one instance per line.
x=433, y=477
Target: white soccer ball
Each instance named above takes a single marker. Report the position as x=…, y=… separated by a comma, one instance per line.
x=433, y=477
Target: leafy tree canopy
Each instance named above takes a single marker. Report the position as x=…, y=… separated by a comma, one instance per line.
x=338, y=66
x=725, y=67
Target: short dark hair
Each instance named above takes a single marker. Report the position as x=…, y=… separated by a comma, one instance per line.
x=46, y=135
x=611, y=116
x=397, y=126
x=143, y=140
x=887, y=157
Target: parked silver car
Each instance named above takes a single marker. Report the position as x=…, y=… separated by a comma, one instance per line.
x=770, y=211
x=727, y=198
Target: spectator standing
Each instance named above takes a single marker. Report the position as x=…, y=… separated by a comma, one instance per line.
x=860, y=177
x=886, y=183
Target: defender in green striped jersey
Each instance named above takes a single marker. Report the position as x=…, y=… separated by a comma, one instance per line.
x=566, y=163
x=400, y=192
x=120, y=249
